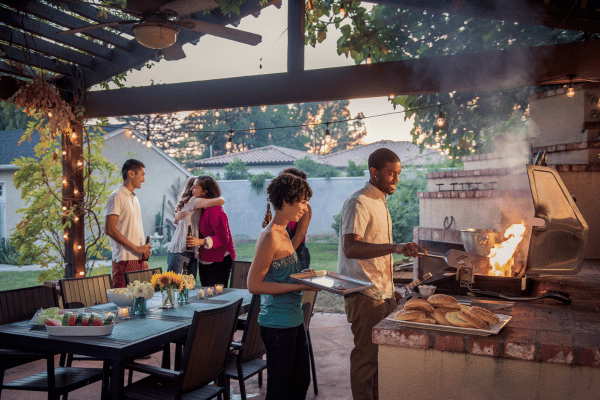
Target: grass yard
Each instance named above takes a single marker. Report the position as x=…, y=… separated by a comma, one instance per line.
x=323, y=256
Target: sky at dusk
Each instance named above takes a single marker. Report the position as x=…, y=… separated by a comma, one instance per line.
x=215, y=58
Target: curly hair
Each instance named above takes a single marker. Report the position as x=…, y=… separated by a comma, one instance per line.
x=186, y=193
x=211, y=186
x=294, y=171
x=287, y=188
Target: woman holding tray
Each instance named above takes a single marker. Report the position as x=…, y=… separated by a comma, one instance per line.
x=281, y=317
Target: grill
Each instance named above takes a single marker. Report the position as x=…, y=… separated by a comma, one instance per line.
x=554, y=244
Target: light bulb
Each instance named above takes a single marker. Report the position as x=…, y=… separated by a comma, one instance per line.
x=229, y=143
x=217, y=114
x=327, y=136
x=440, y=120
x=81, y=273
x=73, y=136
x=76, y=219
x=66, y=236
x=79, y=163
x=392, y=97
x=49, y=114
x=571, y=89
x=369, y=60
x=79, y=247
x=75, y=191
x=64, y=153
x=65, y=181
x=148, y=144
x=342, y=11
x=64, y=208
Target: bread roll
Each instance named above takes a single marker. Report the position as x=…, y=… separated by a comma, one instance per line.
x=478, y=323
x=485, y=315
x=455, y=320
x=445, y=310
x=443, y=300
x=419, y=304
x=440, y=317
x=426, y=320
x=409, y=315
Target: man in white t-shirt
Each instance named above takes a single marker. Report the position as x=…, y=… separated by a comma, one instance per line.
x=365, y=253
x=124, y=224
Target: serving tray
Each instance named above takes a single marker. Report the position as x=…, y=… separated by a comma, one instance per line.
x=80, y=330
x=331, y=282
x=494, y=329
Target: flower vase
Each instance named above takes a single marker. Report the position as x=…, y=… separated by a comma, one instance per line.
x=139, y=306
x=168, y=297
x=184, y=296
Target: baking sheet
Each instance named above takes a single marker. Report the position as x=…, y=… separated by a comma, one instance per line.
x=494, y=329
x=331, y=282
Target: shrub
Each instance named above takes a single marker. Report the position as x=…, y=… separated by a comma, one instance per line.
x=257, y=182
x=356, y=170
x=237, y=170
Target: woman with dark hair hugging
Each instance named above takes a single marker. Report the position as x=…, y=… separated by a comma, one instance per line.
x=216, y=250
x=281, y=318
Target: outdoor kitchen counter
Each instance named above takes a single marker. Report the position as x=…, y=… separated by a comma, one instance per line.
x=548, y=350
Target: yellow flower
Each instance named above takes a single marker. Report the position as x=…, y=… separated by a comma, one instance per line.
x=168, y=280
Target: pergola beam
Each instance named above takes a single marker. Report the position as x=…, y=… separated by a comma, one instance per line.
x=493, y=70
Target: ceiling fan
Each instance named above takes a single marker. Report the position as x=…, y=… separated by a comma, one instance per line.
x=158, y=23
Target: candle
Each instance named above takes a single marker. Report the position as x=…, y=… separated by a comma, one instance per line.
x=200, y=293
x=219, y=288
x=209, y=291
x=123, y=312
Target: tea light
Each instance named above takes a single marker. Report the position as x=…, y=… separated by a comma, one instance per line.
x=209, y=291
x=201, y=293
x=123, y=312
x=219, y=288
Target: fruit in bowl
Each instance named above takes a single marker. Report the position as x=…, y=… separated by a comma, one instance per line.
x=119, y=297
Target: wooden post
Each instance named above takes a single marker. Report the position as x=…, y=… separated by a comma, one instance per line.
x=72, y=194
x=296, y=16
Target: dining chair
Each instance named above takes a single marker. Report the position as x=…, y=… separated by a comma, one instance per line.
x=144, y=275
x=203, y=360
x=247, y=357
x=308, y=305
x=22, y=304
x=239, y=274
x=85, y=292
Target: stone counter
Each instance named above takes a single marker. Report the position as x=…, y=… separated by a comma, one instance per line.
x=548, y=350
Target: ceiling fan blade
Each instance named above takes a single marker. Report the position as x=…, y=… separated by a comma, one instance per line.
x=95, y=26
x=220, y=31
x=173, y=52
x=186, y=7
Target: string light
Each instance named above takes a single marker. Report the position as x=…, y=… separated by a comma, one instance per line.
x=571, y=89
x=79, y=163
x=391, y=97
x=79, y=247
x=64, y=208
x=76, y=219
x=64, y=153
x=217, y=113
x=66, y=236
x=342, y=10
x=49, y=114
x=81, y=273
x=73, y=135
x=148, y=142
x=369, y=60
x=327, y=135
x=64, y=181
x=230, y=140
x=75, y=191
x=310, y=5
x=440, y=120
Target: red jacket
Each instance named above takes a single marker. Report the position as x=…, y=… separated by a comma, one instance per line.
x=214, y=223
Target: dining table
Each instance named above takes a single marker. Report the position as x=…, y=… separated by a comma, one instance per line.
x=130, y=338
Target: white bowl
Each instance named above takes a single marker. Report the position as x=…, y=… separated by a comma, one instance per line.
x=121, y=300
x=426, y=290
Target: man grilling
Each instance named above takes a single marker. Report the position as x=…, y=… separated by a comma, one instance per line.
x=365, y=253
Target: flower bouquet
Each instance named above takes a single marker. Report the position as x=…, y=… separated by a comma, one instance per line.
x=184, y=293
x=140, y=292
x=168, y=282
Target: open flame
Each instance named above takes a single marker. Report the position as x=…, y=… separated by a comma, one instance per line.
x=501, y=255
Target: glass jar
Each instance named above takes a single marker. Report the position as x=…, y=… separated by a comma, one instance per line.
x=168, y=297
x=139, y=306
x=184, y=296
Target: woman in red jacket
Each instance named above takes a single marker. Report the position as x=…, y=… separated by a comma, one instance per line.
x=216, y=250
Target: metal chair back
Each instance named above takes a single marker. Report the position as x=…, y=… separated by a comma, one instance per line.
x=21, y=304
x=85, y=292
x=207, y=345
x=239, y=274
x=144, y=275
x=252, y=345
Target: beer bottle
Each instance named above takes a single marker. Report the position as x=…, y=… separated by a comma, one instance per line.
x=184, y=271
x=188, y=248
x=144, y=258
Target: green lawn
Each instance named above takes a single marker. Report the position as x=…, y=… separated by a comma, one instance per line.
x=323, y=256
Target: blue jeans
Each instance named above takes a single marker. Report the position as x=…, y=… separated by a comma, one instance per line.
x=175, y=262
x=288, y=364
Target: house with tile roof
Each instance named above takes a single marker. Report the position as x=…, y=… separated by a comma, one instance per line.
x=273, y=159
x=121, y=143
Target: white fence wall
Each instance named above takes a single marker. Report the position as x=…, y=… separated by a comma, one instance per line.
x=246, y=209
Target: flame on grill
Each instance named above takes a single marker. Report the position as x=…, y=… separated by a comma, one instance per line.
x=501, y=255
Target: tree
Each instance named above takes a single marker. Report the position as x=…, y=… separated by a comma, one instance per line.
x=39, y=235
x=356, y=170
x=11, y=117
x=160, y=129
x=472, y=119
x=237, y=170
x=314, y=169
x=299, y=126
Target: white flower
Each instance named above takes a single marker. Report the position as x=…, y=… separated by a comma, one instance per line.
x=140, y=289
x=189, y=282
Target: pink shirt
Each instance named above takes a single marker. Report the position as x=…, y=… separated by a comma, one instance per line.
x=214, y=226
x=292, y=225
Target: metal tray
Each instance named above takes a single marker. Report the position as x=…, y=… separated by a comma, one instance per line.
x=331, y=282
x=494, y=329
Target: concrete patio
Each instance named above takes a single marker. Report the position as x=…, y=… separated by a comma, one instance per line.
x=331, y=339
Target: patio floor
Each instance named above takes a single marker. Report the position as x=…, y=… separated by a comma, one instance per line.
x=331, y=339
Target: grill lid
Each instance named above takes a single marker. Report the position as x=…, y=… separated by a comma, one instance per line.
x=557, y=247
